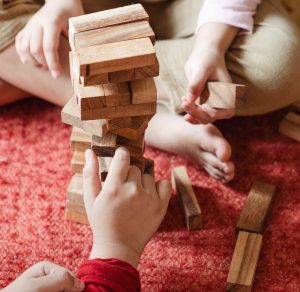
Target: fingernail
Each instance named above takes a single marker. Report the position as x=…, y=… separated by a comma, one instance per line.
x=55, y=73
x=78, y=284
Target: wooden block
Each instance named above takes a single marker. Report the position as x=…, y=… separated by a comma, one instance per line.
x=75, y=189
x=105, y=146
x=131, y=110
x=121, y=15
x=138, y=161
x=74, y=207
x=113, y=34
x=147, y=72
x=244, y=261
x=149, y=166
x=71, y=68
x=296, y=106
x=77, y=217
x=132, y=145
x=104, y=163
x=223, y=95
x=80, y=140
x=70, y=115
x=117, y=94
x=187, y=198
x=114, y=57
x=290, y=126
x=94, y=79
x=121, y=76
x=143, y=91
x=77, y=162
x=256, y=207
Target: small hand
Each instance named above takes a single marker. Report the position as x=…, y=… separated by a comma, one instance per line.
x=38, y=41
x=127, y=211
x=46, y=277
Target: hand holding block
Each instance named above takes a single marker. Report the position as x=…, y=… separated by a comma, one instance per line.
x=121, y=15
x=256, y=208
x=290, y=126
x=70, y=115
x=114, y=57
x=143, y=91
x=222, y=95
x=184, y=190
x=244, y=261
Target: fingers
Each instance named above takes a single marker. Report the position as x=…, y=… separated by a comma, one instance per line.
x=149, y=184
x=119, y=168
x=91, y=180
x=59, y=279
x=36, y=46
x=25, y=54
x=164, y=191
x=50, y=46
x=196, y=85
x=134, y=175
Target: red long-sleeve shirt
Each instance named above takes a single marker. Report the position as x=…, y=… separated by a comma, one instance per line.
x=109, y=275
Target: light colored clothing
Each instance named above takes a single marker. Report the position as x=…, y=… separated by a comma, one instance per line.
x=238, y=13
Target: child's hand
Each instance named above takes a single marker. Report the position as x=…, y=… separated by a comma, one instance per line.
x=38, y=41
x=46, y=277
x=207, y=63
x=127, y=211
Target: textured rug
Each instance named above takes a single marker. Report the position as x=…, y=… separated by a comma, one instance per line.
x=35, y=171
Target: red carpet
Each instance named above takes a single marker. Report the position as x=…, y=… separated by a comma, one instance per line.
x=35, y=171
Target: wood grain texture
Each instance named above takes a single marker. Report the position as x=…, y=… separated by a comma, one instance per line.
x=223, y=95
x=75, y=189
x=138, y=161
x=120, y=15
x=76, y=217
x=296, y=106
x=80, y=140
x=255, y=211
x=117, y=94
x=147, y=71
x=112, y=34
x=187, y=198
x=77, y=162
x=121, y=76
x=244, y=261
x=70, y=115
x=105, y=146
x=131, y=110
x=114, y=57
x=94, y=79
x=104, y=163
x=143, y=91
x=290, y=126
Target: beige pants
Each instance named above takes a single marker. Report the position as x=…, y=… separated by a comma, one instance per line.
x=268, y=61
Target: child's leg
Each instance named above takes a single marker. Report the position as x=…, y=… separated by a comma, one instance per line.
x=10, y=93
x=33, y=80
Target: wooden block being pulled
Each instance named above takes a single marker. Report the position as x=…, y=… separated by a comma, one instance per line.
x=70, y=115
x=77, y=162
x=147, y=72
x=290, y=126
x=187, y=198
x=130, y=127
x=138, y=161
x=120, y=15
x=80, y=140
x=131, y=110
x=244, y=261
x=77, y=217
x=255, y=211
x=114, y=57
x=223, y=95
x=112, y=34
x=117, y=94
x=149, y=167
x=104, y=163
x=143, y=91
x=105, y=146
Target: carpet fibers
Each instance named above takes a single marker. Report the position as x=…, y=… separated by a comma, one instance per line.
x=35, y=171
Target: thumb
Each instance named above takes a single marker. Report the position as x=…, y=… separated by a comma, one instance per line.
x=91, y=180
x=59, y=280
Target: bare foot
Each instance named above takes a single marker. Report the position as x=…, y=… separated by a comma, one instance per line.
x=10, y=93
x=203, y=144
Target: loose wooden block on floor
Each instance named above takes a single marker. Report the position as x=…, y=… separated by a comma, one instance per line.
x=77, y=162
x=120, y=15
x=186, y=195
x=244, y=261
x=124, y=111
x=290, y=126
x=112, y=34
x=114, y=57
x=143, y=91
x=223, y=95
x=70, y=115
x=80, y=140
x=256, y=207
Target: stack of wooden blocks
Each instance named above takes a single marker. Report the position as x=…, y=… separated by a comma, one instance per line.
x=112, y=65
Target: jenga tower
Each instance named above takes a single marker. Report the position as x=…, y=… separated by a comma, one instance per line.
x=112, y=65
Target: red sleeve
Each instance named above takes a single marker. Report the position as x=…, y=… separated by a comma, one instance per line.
x=109, y=275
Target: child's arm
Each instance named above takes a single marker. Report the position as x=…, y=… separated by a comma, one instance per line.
x=123, y=215
x=46, y=276
x=219, y=23
x=38, y=41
